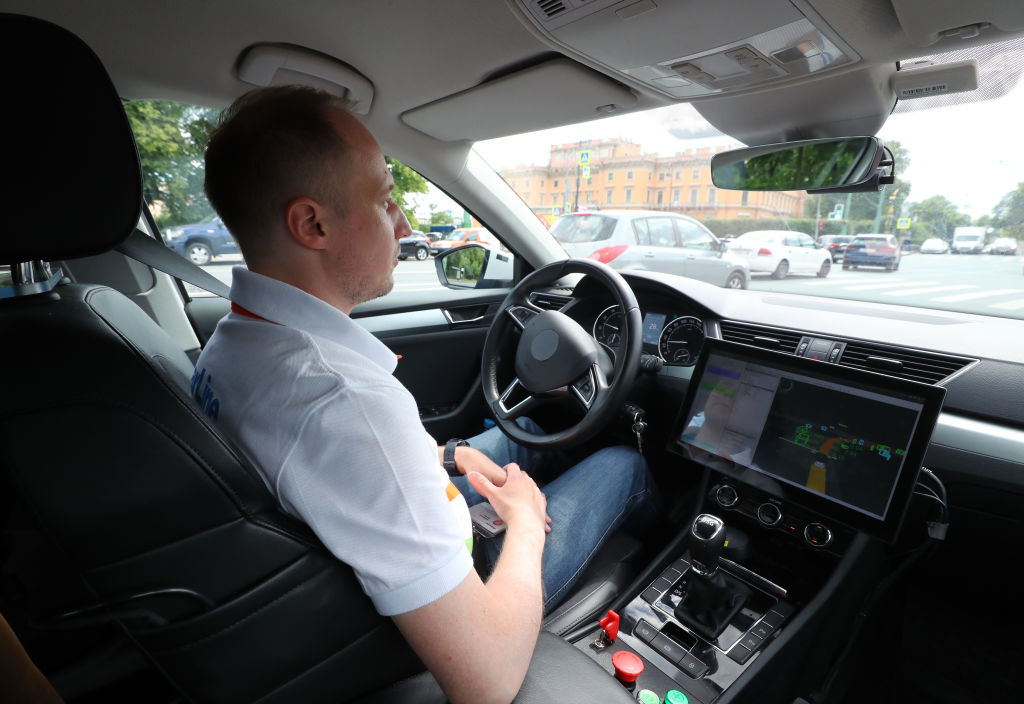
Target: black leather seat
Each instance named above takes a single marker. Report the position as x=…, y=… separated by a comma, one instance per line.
x=165, y=532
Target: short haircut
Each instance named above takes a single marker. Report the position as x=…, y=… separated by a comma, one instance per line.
x=272, y=145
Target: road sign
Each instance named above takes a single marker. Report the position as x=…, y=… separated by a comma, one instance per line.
x=903, y=224
x=837, y=214
x=586, y=172
x=585, y=157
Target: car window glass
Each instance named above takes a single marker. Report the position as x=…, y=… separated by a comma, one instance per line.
x=171, y=139
x=693, y=236
x=643, y=234
x=583, y=228
x=662, y=234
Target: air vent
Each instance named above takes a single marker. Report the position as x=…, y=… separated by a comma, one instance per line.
x=551, y=8
x=915, y=365
x=927, y=367
x=761, y=336
x=549, y=301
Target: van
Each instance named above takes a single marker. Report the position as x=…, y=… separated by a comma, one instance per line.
x=968, y=240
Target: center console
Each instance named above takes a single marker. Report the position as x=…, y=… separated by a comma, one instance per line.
x=806, y=463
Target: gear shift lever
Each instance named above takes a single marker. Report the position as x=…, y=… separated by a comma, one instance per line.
x=707, y=538
x=712, y=597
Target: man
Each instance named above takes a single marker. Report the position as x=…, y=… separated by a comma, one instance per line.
x=310, y=397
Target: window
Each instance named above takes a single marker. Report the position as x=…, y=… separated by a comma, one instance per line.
x=696, y=173
x=662, y=234
x=608, y=195
x=554, y=184
x=661, y=177
x=643, y=236
x=694, y=194
x=629, y=175
x=675, y=196
x=629, y=195
x=711, y=195
x=694, y=236
x=660, y=197
x=590, y=181
x=679, y=175
x=744, y=197
x=611, y=175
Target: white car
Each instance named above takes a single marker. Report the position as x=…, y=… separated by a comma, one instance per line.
x=934, y=246
x=651, y=240
x=1004, y=245
x=781, y=252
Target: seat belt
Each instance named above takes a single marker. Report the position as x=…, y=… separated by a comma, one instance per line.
x=147, y=250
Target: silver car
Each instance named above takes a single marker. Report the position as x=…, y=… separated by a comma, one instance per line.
x=651, y=240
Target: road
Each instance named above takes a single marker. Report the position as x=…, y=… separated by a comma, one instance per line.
x=985, y=284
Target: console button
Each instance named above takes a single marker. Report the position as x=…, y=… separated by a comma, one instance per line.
x=668, y=648
x=726, y=496
x=740, y=654
x=646, y=696
x=671, y=574
x=645, y=631
x=817, y=534
x=628, y=666
x=750, y=641
x=692, y=666
x=661, y=584
x=769, y=514
x=650, y=595
x=674, y=696
x=762, y=630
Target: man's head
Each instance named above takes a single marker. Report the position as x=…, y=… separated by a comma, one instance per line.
x=304, y=188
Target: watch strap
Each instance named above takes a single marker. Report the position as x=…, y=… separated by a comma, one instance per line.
x=449, y=455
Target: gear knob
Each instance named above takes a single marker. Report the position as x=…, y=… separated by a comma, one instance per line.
x=707, y=538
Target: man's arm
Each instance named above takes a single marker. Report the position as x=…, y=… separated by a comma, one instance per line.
x=478, y=639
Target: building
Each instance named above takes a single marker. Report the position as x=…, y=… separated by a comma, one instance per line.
x=622, y=176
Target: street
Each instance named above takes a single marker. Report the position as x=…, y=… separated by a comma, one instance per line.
x=981, y=283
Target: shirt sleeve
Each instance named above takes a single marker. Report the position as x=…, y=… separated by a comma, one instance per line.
x=364, y=474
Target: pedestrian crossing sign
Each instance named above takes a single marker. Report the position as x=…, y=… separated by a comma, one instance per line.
x=903, y=224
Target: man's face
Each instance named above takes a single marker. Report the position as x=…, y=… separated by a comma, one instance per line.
x=367, y=223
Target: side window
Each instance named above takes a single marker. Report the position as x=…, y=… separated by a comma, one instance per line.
x=662, y=232
x=172, y=138
x=643, y=235
x=693, y=236
x=791, y=241
x=806, y=241
x=471, y=237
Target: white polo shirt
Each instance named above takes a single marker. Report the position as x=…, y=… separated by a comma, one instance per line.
x=310, y=397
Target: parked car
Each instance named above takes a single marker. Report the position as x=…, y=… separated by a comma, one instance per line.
x=836, y=245
x=651, y=240
x=415, y=245
x=781, y=252
x=1004, y=245
x=873, y=250
x=465, y=235
x=200, y=242
x=968, y=239
x=934, y=246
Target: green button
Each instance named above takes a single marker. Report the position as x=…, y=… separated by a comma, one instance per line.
x=674, y=696
x=646, y=696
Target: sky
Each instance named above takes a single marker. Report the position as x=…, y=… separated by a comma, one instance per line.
x=973, y=153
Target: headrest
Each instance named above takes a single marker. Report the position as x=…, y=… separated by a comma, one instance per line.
x=74, y=181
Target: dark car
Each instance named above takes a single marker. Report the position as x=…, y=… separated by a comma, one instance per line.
x=873, y=250
x=201, y=241
x=836, y=245
x=415, y=245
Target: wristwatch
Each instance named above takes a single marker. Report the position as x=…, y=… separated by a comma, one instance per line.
x=449, y=455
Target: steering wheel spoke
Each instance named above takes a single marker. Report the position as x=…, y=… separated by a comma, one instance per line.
x=588, y=387
x=523, y=312
x=508, y=409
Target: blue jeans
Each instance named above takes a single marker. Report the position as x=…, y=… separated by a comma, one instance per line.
x=587, y=503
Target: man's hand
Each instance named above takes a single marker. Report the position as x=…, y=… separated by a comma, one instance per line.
x=469, y=459
x=518, y=500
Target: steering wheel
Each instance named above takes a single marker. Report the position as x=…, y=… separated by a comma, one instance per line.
x=556, y=357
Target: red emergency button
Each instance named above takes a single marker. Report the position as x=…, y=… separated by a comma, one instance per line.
x=628, y=666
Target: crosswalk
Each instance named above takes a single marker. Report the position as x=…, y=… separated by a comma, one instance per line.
x=942, y=294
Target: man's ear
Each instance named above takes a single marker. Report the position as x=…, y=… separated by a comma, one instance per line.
x=304, y=217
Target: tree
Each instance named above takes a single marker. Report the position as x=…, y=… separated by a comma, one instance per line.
x=1008, y=215
x=936, y=217
x=171, y=139
x=406, y=181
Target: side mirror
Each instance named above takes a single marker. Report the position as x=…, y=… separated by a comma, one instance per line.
x=839, y=165
x=475, y=266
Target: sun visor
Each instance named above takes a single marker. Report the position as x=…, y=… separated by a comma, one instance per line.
x=508, y=105
x=926, y=22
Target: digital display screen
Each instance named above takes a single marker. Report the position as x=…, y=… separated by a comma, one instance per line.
x=653, y=324
x=845, y=438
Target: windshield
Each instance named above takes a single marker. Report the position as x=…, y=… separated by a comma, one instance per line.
x=958, y=179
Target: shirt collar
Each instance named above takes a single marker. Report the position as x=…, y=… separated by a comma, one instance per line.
x=284, y=304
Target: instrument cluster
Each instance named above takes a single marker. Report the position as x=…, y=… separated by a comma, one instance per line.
x=676, y=338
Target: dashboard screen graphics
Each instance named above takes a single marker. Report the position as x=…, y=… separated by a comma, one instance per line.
x=816, y=434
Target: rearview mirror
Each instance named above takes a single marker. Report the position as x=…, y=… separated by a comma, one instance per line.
x=475, y=266
x=812, y=165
